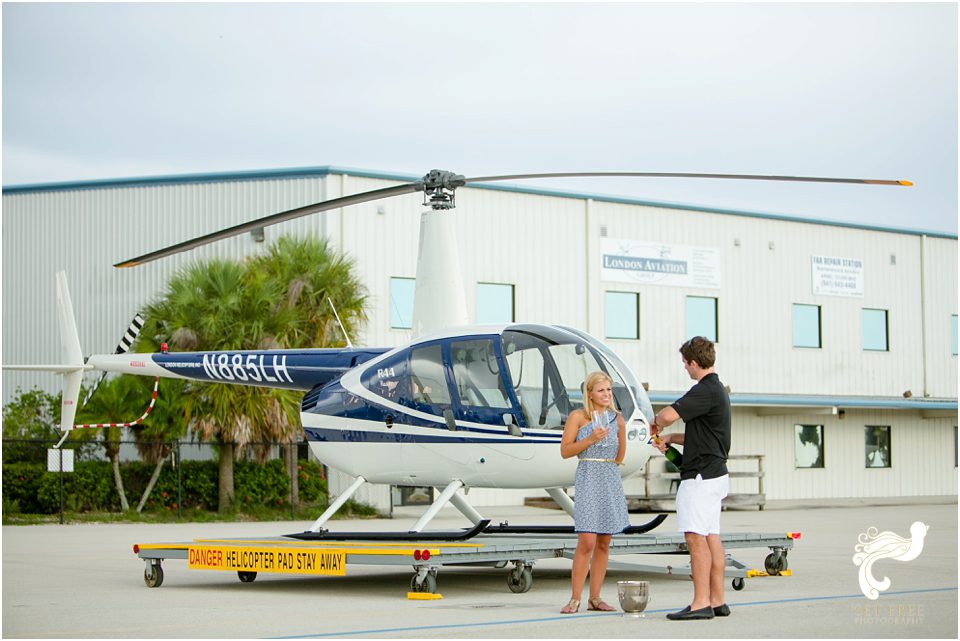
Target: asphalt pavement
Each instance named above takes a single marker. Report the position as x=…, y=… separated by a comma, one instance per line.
x=84, y=581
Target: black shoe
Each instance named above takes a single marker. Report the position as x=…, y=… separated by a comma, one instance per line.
x=721, y=610
x=687, y=614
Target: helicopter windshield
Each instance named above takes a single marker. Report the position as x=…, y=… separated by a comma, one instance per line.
x=636, y=387
x=547, y=375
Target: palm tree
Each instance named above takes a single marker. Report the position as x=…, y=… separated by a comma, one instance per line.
x=312, y=276
x=310, y=272
x=117, y=400
x=222, y=305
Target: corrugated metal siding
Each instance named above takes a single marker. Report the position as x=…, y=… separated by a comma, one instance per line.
x=759, y=285
x=922, y=457
x=548, y=247
x=85, y=231
x=940, y=270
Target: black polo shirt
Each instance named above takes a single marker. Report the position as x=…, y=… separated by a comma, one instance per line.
x=706, y=411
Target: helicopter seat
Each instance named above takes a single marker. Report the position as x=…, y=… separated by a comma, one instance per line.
x=530, y=401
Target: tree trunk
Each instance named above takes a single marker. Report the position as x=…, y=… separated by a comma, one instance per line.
x=290, y=451
x=151, y=483
x=225, y=469
x=118, y=481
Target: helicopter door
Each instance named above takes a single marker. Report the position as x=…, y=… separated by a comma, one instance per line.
x=478, y=384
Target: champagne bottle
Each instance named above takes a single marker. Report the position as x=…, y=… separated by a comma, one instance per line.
x=673, y=454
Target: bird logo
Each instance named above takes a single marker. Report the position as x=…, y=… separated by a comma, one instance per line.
x=886, y=545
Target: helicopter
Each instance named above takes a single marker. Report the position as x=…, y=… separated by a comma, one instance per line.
x=459, y=406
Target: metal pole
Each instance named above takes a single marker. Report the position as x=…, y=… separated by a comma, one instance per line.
x=60, y=452
x=179, y=484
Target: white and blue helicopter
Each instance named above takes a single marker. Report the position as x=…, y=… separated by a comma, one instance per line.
x=460, y=406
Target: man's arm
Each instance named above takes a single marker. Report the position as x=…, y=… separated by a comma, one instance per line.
x=664, y=418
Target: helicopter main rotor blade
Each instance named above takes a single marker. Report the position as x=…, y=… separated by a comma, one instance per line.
x=273, y=219
x=642, y=174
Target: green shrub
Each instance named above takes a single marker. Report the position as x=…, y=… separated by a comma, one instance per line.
x=21, y=482
x=29, y=489
x=311, y=482
x=261, y=484
x=88, y=488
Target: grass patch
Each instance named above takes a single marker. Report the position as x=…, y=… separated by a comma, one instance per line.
x=351, y=510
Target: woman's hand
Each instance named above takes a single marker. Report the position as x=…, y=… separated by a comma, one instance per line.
x=599, y=433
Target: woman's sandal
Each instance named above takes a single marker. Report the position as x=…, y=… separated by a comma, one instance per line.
x=572, y=607
x=596, y=603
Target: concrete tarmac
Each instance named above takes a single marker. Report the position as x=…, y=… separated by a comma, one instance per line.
x=84, y=581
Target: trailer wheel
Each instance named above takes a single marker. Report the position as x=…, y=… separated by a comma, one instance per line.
x=775, y=563
x=520, y=579
x=153, y=576
x=738, y=583
x=246, y=577
x=429, y=583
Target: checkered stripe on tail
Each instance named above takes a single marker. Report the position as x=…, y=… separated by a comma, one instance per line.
x=126, y=342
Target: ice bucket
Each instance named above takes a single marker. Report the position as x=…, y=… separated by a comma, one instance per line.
x=634, y=596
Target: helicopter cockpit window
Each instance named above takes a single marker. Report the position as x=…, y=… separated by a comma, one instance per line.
x=389, y=378
x=428, y=380
x=477, y=374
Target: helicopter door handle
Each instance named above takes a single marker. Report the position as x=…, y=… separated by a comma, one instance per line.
x=511, y=423
x=451, y=422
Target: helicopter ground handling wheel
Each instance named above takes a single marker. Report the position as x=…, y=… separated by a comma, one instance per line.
x=776, y=562
x=247, y=577
x=153, y=575
x=425, y=583
x=520, y=578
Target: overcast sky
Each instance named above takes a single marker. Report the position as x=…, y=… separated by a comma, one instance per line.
x=846, y=90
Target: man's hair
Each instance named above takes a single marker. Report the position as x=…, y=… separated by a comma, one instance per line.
x=699, y=350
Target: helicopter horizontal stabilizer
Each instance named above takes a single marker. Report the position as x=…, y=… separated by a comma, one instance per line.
x=73, y=366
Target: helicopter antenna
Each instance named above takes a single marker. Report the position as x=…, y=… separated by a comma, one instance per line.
x=339, y=322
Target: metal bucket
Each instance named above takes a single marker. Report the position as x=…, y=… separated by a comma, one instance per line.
x=634, y=596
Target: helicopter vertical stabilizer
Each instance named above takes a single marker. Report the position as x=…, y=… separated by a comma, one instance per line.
x=71, y=355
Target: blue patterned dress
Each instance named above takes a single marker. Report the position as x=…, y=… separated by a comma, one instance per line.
x=599, y=504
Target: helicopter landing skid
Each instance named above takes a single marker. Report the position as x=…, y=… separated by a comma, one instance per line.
x=439, y=535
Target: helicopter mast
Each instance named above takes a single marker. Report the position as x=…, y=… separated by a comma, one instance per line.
x=439, y=300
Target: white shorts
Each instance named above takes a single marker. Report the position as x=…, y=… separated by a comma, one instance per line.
x=698, y=504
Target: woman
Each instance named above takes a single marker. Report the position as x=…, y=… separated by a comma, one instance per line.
x=600, y=508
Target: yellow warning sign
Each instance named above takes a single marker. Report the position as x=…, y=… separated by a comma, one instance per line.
x=267, y=559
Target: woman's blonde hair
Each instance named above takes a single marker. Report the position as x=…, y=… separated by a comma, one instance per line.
x=592, y=380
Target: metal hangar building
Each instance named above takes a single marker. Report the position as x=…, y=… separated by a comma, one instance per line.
x=838, y=342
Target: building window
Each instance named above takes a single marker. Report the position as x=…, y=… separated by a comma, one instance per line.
x=702, y=317
x=809, y=446
x=622, y=315
x=875, y=331
x=877, y=442
x=494, y=303
x=806, y=326
x=401, y=302
x=953, y=332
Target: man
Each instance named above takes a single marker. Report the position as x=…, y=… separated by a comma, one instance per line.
x=704, y=481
